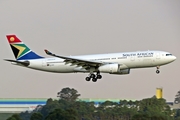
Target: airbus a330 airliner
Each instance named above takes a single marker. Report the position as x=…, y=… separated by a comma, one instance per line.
x=113, y=63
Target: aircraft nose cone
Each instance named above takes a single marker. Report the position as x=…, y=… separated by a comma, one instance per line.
x=174, y=57
x=170, y=58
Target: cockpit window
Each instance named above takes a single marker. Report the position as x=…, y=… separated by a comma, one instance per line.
x=168, y=54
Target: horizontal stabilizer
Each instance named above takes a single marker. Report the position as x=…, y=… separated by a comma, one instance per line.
x=24, y=63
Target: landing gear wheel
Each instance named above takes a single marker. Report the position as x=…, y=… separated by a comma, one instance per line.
x=92, y=75
x=88, y=78
x=157, y=71
x=99, y=76
x=94, y=79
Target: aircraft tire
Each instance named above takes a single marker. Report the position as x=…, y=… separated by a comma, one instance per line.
x=88, y=78
x=99, y=76
x=94, y=79
x=157, y=71
x=93, y=76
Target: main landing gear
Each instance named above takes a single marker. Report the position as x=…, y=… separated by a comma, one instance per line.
x=157, y=71
x=94, y=77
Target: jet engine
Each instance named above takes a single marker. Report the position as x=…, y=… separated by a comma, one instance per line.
x=109, y=68
x=122, y=72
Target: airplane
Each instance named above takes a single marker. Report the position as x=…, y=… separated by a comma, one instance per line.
x=112, y=63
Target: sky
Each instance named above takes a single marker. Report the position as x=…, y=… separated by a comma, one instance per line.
x=79, y=27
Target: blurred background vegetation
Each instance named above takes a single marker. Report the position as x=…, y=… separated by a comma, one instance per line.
x=69, y=107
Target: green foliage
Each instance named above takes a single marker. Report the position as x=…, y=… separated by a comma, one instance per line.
x=59, y=114
x=68, y=108
x=177, y=118
x=152, y=105
x=14, y=117
x=50, y=107
x=153, y=108
x=177, y=114
x=114, y=111
x=144, y=116
x=25, y=115
x=36, y=116
x=83, y=109
x=68, y=94
x=4, y=116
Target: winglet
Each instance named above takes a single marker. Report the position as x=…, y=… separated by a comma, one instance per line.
x=48, y=52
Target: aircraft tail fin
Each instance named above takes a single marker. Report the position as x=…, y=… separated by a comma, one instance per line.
x=20, y=50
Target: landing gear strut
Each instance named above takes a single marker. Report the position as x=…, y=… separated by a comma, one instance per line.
x=94, y=77
x=98, y=75
x=157, y=71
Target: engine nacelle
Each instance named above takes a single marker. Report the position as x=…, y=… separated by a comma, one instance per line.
x=122, y=72
x=109, y=68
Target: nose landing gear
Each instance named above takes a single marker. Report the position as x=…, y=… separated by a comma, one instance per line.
x=94, y=77
x=158, y=71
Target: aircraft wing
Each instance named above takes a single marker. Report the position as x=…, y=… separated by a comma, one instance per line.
x=76, y=61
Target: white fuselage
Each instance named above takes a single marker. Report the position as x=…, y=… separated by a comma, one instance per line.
x=126, y=60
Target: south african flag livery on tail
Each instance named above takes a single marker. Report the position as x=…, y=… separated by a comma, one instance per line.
x=20, y=50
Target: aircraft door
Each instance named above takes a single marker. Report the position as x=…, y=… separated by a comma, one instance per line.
x=158, y=56
x=132, y=58
x=44, y=63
